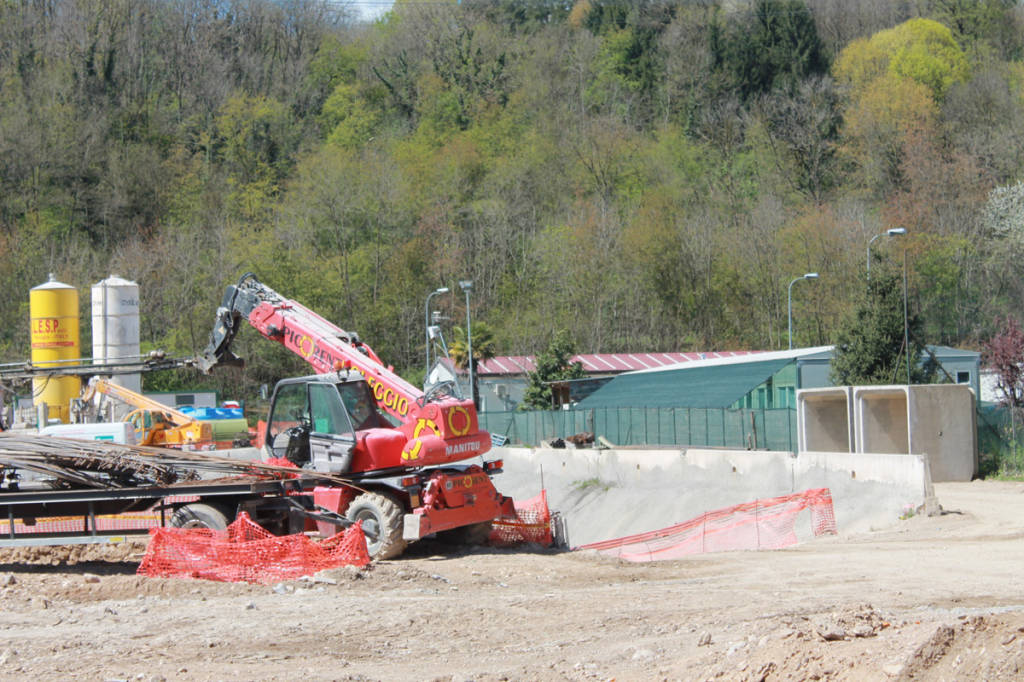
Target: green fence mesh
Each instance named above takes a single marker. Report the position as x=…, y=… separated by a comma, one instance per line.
x=1000, y=432
x=1000, y=440
x=764, y=429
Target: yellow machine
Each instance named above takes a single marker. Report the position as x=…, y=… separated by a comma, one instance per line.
x=155, y=423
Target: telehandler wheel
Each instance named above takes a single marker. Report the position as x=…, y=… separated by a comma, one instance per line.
x=199, y=516
x=382, y=519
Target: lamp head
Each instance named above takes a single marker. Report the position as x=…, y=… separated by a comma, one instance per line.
x=811, y=275
x=894, y=231
x=442, y=290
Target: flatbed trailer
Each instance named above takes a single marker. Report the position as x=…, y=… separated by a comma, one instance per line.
x=63, y=491
x=30, y=507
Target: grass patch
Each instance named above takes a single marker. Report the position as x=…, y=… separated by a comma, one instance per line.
x=1015, y=475
x=591, y=484
x=1005, y=464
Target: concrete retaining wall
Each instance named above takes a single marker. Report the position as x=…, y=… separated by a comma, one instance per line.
x=605, y=494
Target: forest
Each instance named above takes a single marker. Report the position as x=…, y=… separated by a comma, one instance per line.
x=638, y=176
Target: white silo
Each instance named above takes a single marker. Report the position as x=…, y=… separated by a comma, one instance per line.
x=115, y=326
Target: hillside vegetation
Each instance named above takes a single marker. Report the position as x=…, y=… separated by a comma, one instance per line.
x=648, y=176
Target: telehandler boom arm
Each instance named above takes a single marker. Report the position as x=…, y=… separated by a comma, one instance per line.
x=439, y=427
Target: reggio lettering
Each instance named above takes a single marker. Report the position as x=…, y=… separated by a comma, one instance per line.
x=387, y=397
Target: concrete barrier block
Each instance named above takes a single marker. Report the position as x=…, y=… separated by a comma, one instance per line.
x=743, y=462
x=825, y=420
x=937, y=420
x=907, y=472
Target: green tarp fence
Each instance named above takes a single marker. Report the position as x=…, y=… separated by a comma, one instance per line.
x=1000, y=440
x=762, y=429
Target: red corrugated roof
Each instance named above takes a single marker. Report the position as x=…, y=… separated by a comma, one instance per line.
x=602, y=363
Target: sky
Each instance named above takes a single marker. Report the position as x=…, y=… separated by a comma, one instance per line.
x=368, y=10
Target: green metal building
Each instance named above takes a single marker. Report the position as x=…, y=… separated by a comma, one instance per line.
x=760, y=381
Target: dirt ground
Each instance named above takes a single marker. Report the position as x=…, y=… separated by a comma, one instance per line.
x=928, y=598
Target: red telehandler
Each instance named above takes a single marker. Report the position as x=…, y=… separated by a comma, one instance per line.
x=409, y=480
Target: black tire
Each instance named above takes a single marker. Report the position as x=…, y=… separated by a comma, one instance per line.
x=198, y=515
x=473, y=534
x=382, y=519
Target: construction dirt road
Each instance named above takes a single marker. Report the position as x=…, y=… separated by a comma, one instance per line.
x=927, y=598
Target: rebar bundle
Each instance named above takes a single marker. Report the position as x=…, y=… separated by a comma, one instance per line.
x=72, y=463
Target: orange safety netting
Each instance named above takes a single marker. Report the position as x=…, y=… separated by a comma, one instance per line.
x=532, y=524
x=246, y=552
x=762, y=524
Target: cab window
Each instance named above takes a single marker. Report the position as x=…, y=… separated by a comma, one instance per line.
x=290, y=409
x=326, y=410
x=360, y=404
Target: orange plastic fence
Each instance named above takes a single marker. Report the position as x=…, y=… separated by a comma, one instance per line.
x=532, y=524
x=762, y=524
x=246, y=552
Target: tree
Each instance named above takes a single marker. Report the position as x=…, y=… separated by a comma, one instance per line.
x=869, y=345
x=257, y=138
x=982, y=26
x=879, y=125
x=773, y=43
x=984, y=118
x=1002, y=220
x=920, y=50
x=520, y=16
x=483, y=349
x=483, y=345
x=552, y=365
x=629, y=67
x=351, y=121
x=1004, y=353
x=805, y=123
x=841, y=21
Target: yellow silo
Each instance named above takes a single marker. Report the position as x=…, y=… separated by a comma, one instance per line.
x=53, y=309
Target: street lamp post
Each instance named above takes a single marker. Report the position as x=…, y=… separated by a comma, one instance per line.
x=906, y=326
x=426, y=321
x=891, y=232
x=809, y=275
x=467, y=286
